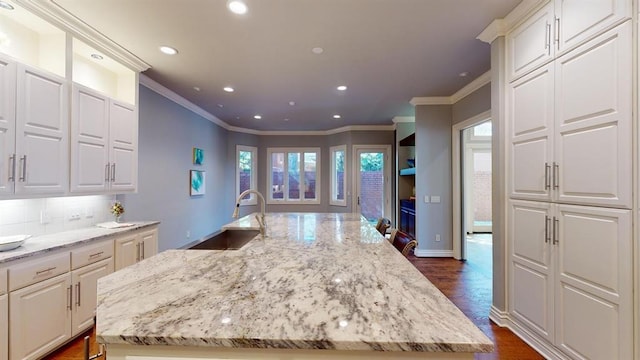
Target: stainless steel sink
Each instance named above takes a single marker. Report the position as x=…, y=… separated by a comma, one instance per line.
x=227, y=240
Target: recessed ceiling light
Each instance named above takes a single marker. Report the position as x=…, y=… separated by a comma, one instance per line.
x=6, y=5
x=292, y=103
x=342, y=88
x=463, y=74
x=336, y=116
x=317, y=50
x=257, y=117
x=97, y=56
x=237, y=7
x=220, y=106
x=168, y=50
x=196, y=88
x=286, y=119
x=228, y=89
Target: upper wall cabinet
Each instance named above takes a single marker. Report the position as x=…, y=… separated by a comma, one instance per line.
x=34, y=129
x=104, y=141
x=558, y=27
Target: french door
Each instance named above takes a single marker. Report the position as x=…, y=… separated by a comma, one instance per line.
x=372, y=185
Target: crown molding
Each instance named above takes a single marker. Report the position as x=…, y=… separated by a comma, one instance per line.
x=403, y=119
x=173, y=96
x=431, y=100
x=58, y=16
x=500, y=27
x=468, y=89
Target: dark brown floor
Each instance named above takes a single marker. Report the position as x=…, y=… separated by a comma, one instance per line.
x=466, y=284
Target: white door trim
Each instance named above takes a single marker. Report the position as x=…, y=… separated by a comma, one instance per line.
x=456, y=176
x=387, y=175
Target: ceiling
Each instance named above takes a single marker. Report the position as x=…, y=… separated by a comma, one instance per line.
x=385, y=51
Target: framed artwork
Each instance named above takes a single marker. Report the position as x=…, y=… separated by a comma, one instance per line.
x=197, y=182
x=198, y=156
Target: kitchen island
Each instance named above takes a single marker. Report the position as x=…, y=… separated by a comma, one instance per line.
x=315, y=286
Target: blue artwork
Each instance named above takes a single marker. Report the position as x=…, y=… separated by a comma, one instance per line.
x=197, y=183
x=198, y=156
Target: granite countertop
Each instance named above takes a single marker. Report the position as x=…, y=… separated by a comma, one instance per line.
x=46, y=243
x=316, y=281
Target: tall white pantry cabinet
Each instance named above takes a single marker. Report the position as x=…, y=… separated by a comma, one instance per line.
x=569, y=124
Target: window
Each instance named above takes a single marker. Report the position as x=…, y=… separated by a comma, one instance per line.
x=246, y=173
x=338, y=175
x=294, y=175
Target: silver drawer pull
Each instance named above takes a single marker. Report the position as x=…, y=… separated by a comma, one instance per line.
x=96, y=254
x=45, y=270
x=12, y=160
x=23, y=160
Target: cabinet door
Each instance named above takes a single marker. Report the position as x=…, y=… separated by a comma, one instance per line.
x=7, y=125
x=531, y=131
x=149, y=244
x=42, y=132
x=593, y=121
x=531, y=283
x=123, y=135
x=40, y=317
x=85, y=286
x=127, y=251
x=594, y=291
x=529, y=44
x=4, y=327
x=579, y=20
x=89, y=141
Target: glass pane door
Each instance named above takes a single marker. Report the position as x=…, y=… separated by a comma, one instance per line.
x=372, y=182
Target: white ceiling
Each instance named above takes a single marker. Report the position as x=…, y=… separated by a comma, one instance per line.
x=385, y=51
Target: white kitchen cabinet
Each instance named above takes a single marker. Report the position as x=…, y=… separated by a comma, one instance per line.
x=557, y=28
x=571, y=126
x=7, y=125
x=85, y=286
x=42, y=126
x=135, y=247
x=4, y=327
x=104, y=137
x=571, y=282
x=40, y=317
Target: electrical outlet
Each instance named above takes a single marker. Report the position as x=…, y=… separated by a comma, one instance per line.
x=188, y=234
x=88, y=213
x=437, y=237
x=44, y=217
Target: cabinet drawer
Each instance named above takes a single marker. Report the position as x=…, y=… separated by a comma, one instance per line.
x=37, y=270
x=3, y=281
x=90, y=254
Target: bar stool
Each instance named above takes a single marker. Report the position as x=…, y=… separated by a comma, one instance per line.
x=402, y=241
x=382, y=225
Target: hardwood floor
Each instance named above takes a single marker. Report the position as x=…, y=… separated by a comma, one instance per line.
x=466, y=284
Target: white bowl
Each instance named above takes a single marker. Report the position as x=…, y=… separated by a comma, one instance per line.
x=11, y=242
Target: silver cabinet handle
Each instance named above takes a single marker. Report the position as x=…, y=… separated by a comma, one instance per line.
x=142, y=245
x=45, y=270
x=106, y=172
x=78, y=294
x=138, y=252
x=547, y=38
x=23, y=160
x=12, y=166
x=556, y=228
x=556, y=175
x=557, y=31
x=95, y=255
x=113, y=172
x=547, y=236
x=69, y=297
x=547, y=181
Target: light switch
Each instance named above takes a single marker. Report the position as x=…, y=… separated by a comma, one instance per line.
x=426, y=199
x=435, y=199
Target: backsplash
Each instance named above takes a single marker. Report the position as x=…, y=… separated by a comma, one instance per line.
x=50, y=215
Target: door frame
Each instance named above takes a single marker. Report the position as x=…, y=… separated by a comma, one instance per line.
x=386, y=149
x=456, y=175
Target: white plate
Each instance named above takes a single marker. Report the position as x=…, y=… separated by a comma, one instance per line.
x=11, y=242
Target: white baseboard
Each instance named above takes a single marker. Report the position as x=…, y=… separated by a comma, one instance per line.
x=542, y=346
x=433, y=253
x=499, y=317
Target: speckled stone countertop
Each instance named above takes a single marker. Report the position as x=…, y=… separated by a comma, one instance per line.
x=46, y=243
x=316, y=281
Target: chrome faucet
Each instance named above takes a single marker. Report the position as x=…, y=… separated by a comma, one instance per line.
x=261, y=221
